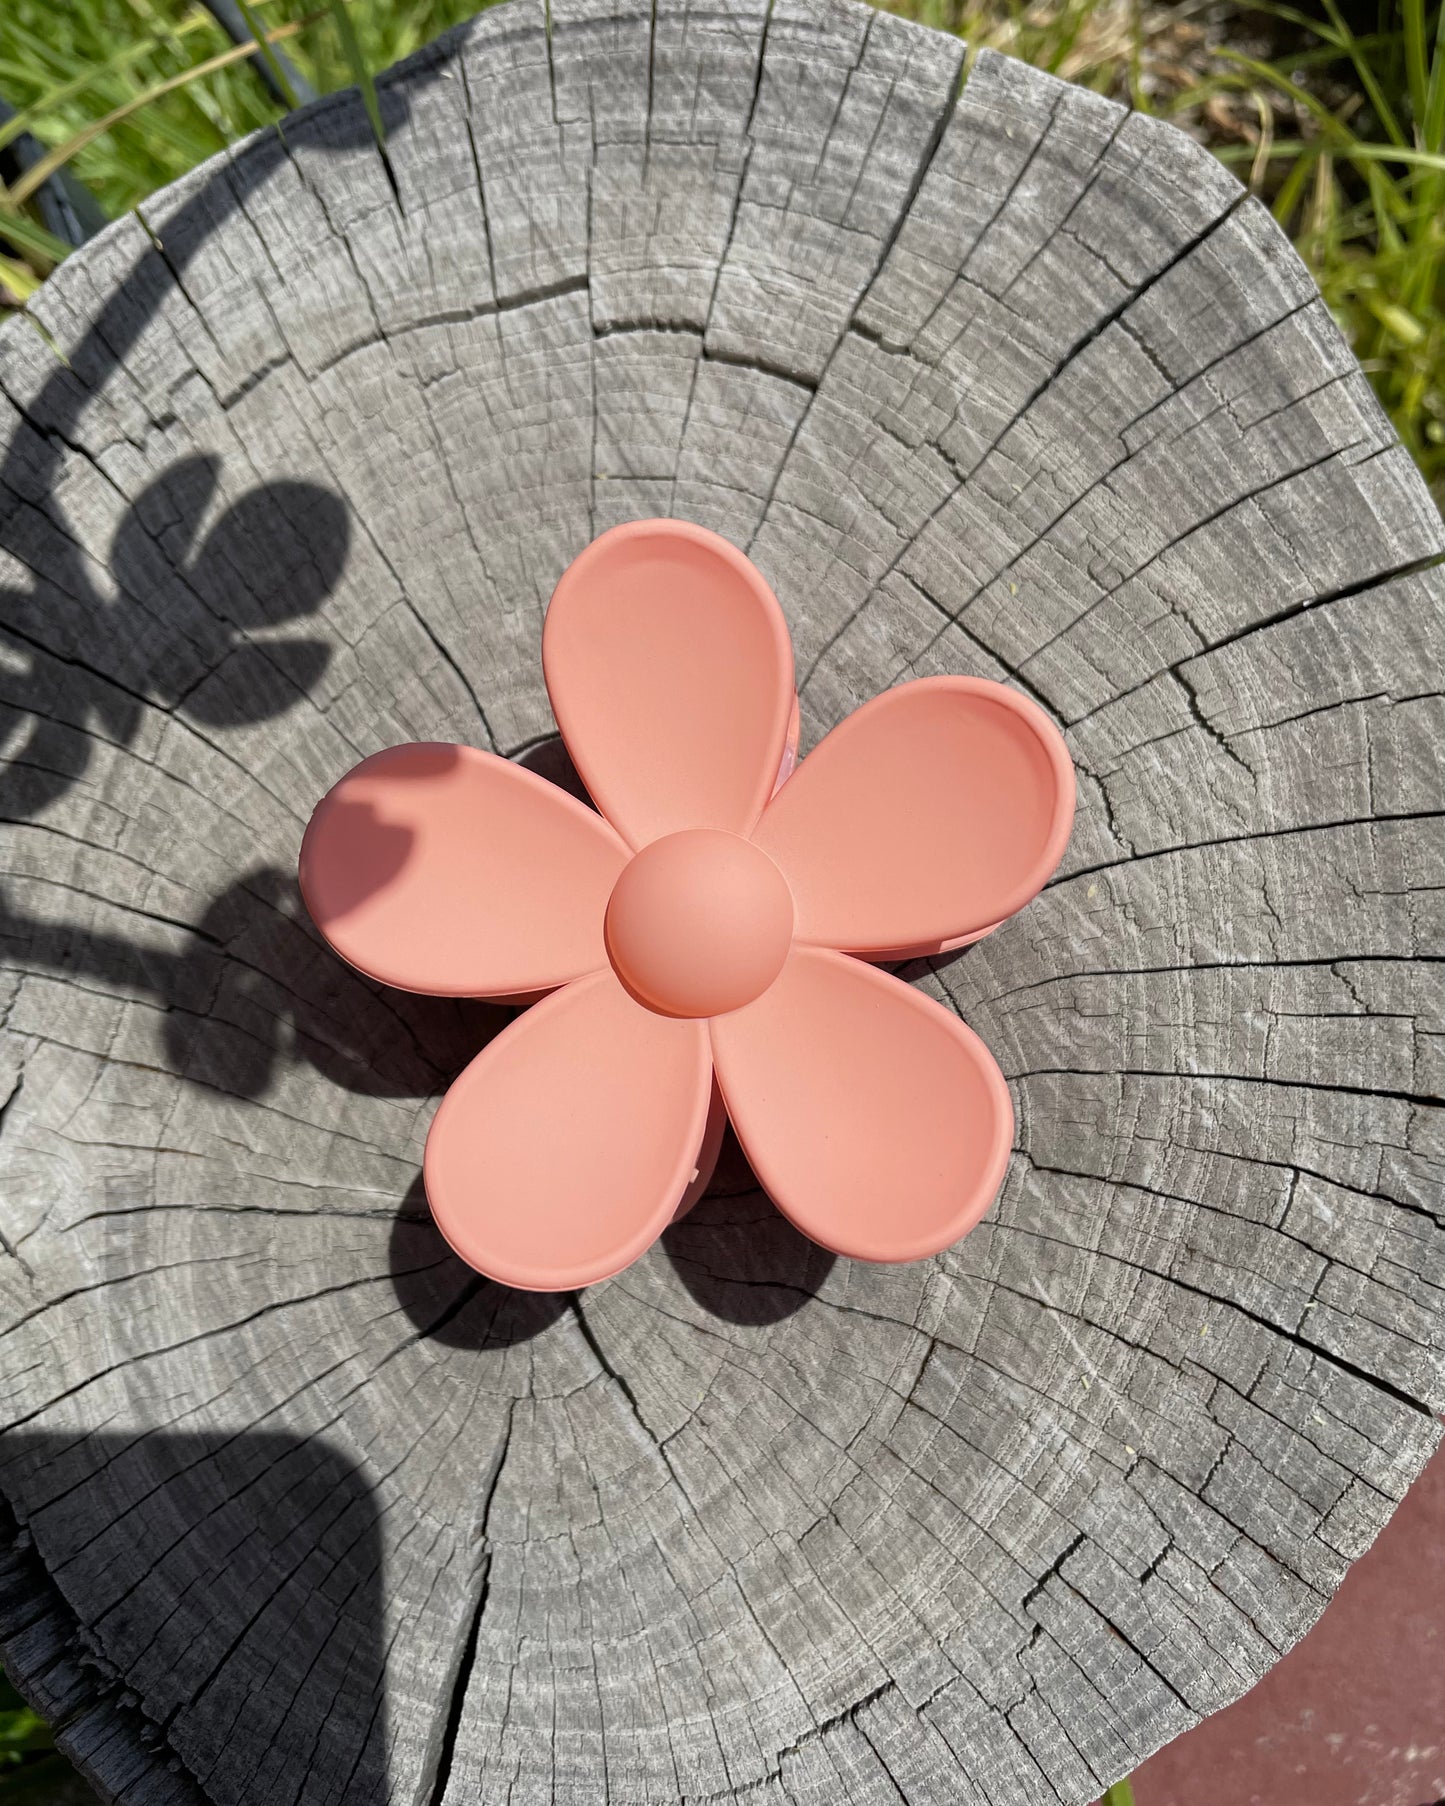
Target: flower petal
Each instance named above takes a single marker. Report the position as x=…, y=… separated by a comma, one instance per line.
x=562, y=1151
x=933, y=812
x=670, y=671
x=874, y=1119
x=450, y=871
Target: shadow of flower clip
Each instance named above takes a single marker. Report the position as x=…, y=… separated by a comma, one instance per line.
x=213, y=654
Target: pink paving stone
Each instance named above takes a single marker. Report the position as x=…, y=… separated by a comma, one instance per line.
x=1355, y=1714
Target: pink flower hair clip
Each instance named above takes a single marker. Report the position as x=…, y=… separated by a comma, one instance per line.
x=701, y=946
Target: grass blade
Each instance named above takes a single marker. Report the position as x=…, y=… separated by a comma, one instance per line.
x=1416, y=56
x=1351, y=151
x=62, y=153
x=281, y=73
x=1292, y=188
x=1384, y=112
x=208, y=117
x=55, y=98
x=1431, y=124
x=268, y=55
x=1276, y=78
x=33, y=240
x=356, y=62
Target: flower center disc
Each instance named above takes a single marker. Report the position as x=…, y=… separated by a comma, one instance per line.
x=699, y=923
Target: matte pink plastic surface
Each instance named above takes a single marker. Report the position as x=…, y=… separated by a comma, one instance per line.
x=699, y=923
x=705, y=941
x=450, y=871
x=670, y=671
x=931, y=813
x=562, y=1150
x=875, y=1119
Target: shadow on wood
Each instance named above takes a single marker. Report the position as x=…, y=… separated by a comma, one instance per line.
x=251, y=979
x=1009, y=382
x=237, y=1589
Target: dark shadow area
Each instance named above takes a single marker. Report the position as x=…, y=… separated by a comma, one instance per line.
x=234, y=1633
x=738, y=1256
x=736, y=1252
x=232, y=1643
x=273, y=557
x=258, y=982
x=181, y=631
x=352, y=851
x=194, y=629
x=448, y=1301
x=911, y=971
x=550, y=759
x=226, y=1640
x=255, y=984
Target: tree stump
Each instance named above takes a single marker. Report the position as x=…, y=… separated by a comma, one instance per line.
x=993, y=378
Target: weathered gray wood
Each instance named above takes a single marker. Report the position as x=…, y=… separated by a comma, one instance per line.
x=1010, y=382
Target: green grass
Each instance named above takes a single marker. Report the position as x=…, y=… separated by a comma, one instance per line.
x=148, y=66
x=29, y=1768
x=1340, y=131
x=1363, y=195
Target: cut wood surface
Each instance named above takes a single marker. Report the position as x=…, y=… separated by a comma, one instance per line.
x=988, y=376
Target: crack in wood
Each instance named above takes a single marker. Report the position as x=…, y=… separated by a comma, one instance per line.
x=752, y=1546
